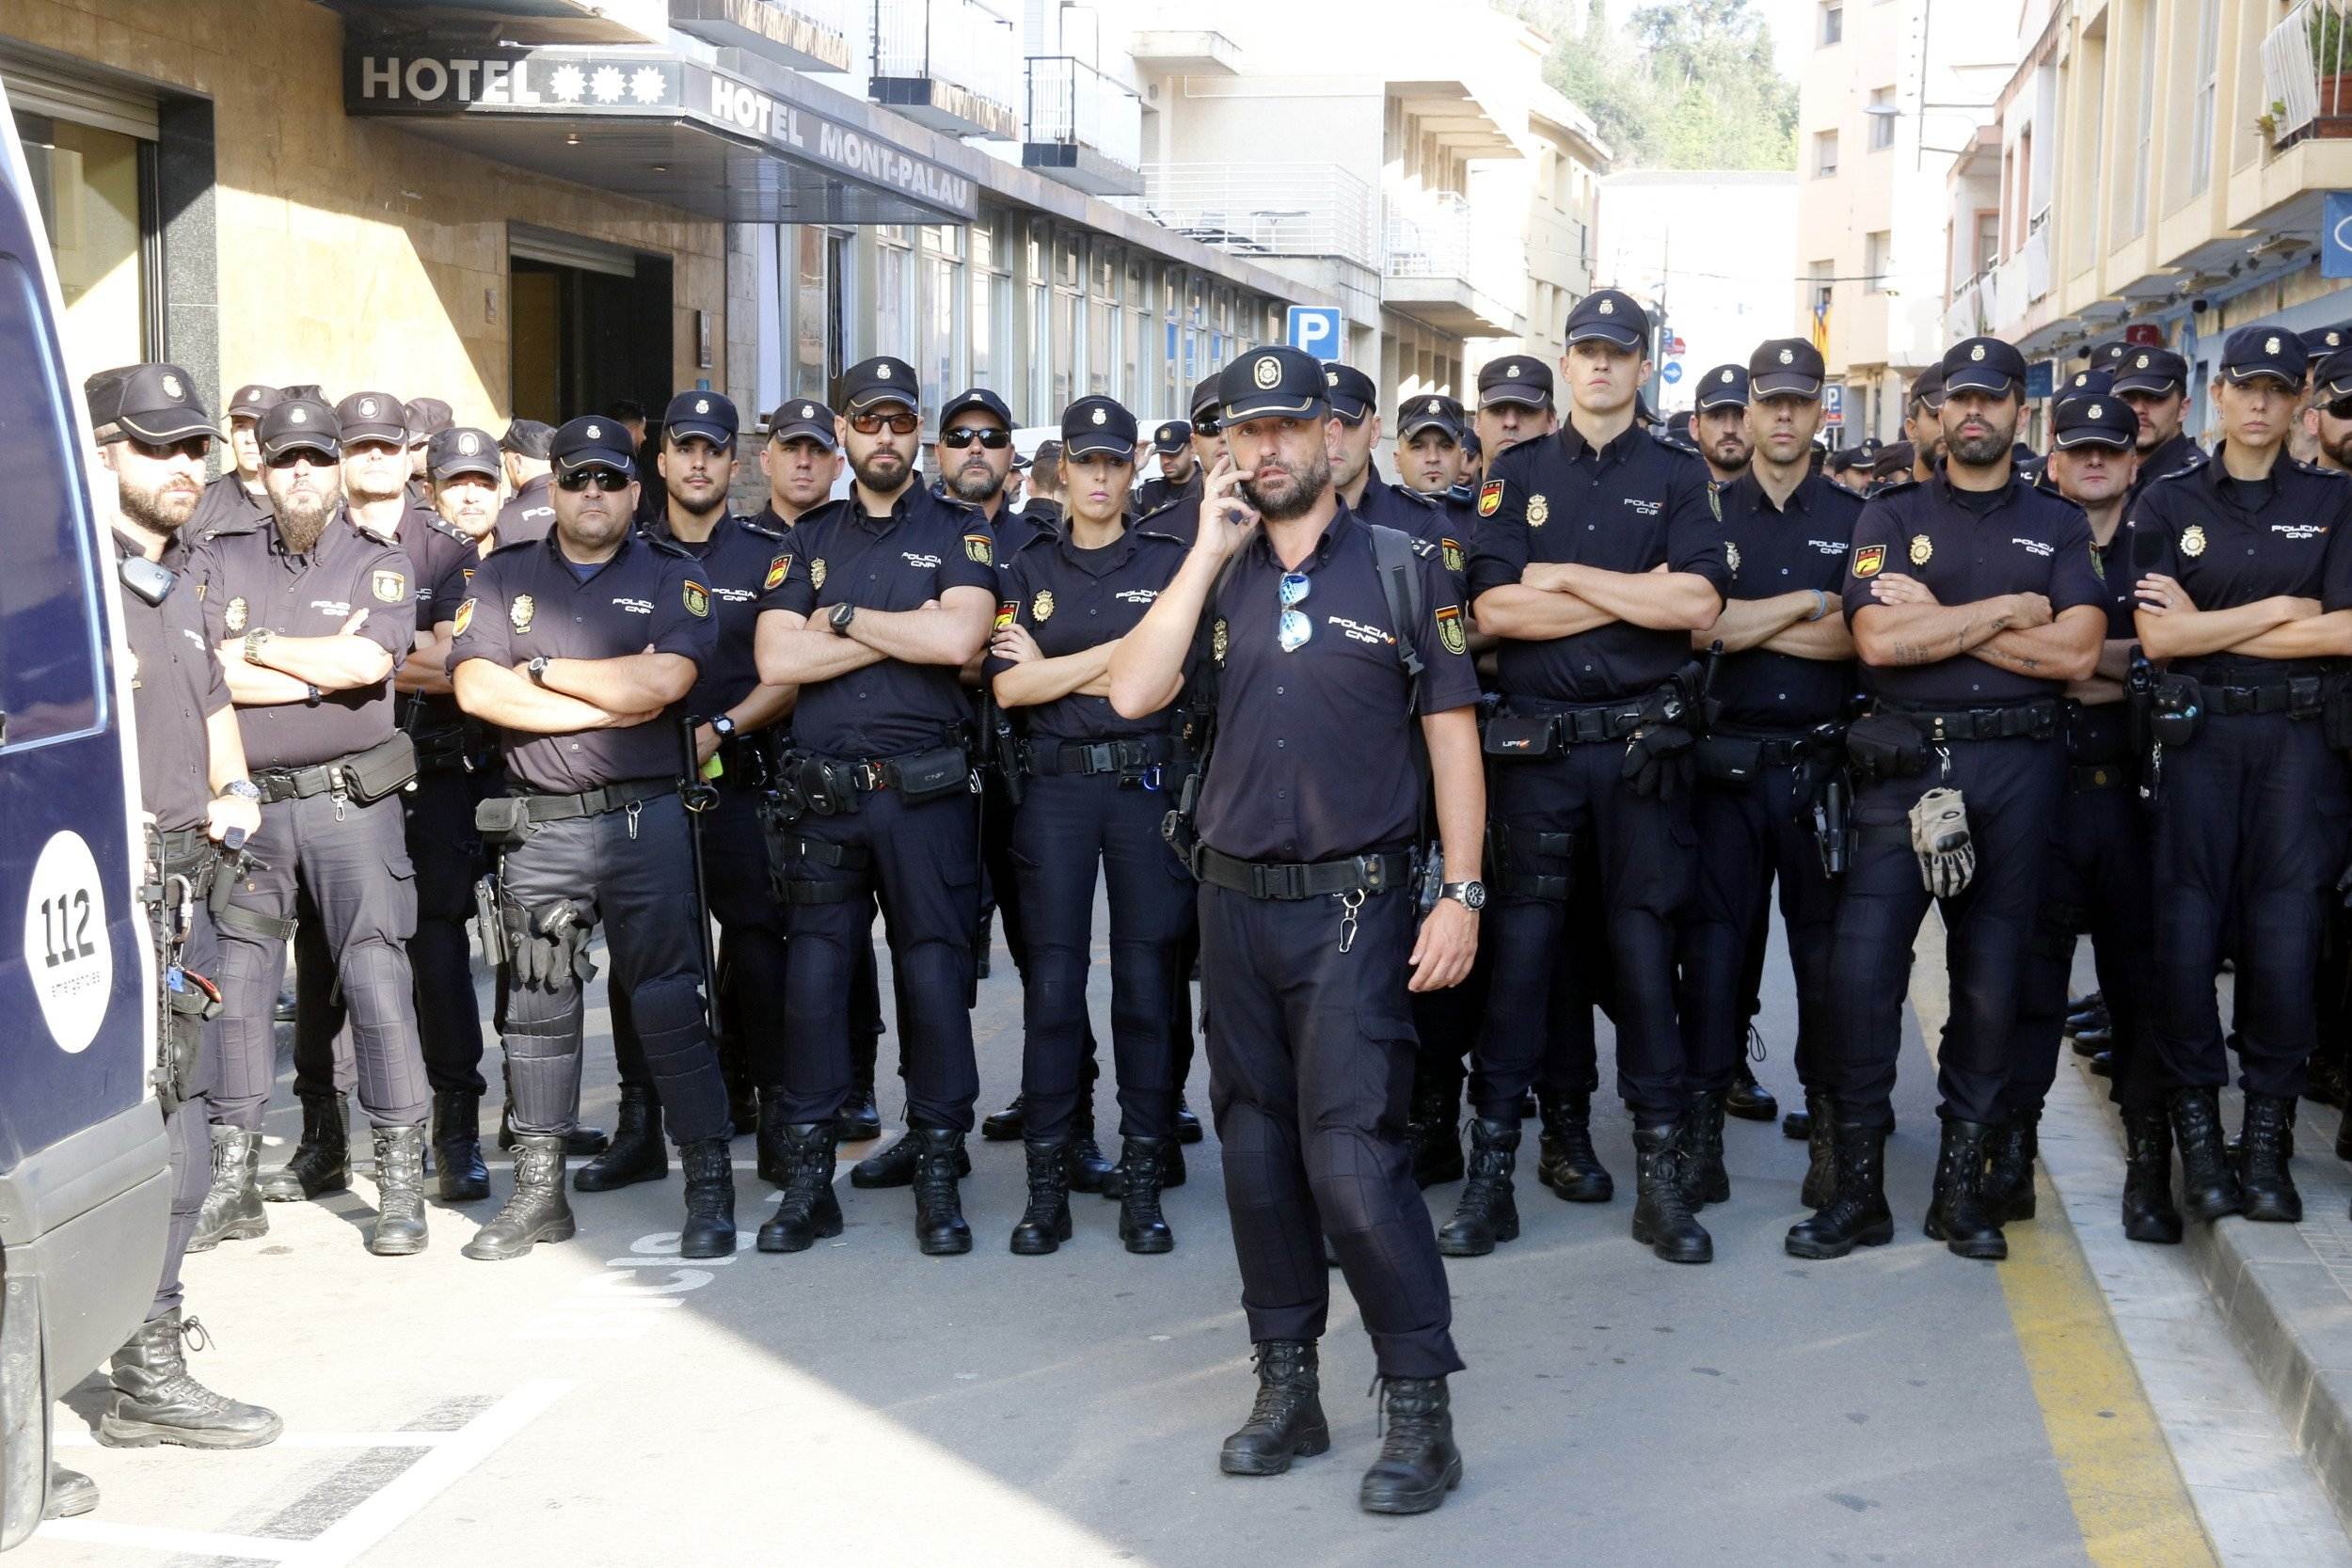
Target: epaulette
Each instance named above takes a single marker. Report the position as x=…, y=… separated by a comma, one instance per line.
x=1422, y=547
x=1892, y=487
x=749, y=525
x=1408, y=493
x=2310, y=467
x=2196, y=462
x=515, y=545
x=1143, y=532
x=667, y=547
x=442, y=525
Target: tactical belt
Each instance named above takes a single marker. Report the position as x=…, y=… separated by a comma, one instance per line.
x=2081, y=777
x=593, y=802
x=2299, y=697
x=1135, y=754
x=1291, y=882
x=867, y=775
x=1586, y=727
x=462, y=750
x=2038, y=719
x=185, y=849
x=364, y=776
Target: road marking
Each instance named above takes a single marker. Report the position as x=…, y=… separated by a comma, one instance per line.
x=91, y=1532
x=2127, y=1495
x=79, y=1438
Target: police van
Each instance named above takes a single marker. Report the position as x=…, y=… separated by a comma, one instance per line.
x=84, y=1191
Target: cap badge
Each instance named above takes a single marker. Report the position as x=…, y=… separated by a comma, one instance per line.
x=1608, y=308
x=1430, y=407
x=2098, y=410
x=595, y=433
x=1330, y=378
x=881, y=372
x=702, y=405
x=807, y=412
x=1788, y=356
x=1267, y=370
x=469, y=444
x=2270, y=345
x=2140, y=363
x=367, y=408
x=1977, y=353
x=299, y=416
x=1102, y=417
x=1725, y=378
x=253, y=394
x=172, y=387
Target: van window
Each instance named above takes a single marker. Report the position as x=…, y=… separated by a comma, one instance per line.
x=49, y=619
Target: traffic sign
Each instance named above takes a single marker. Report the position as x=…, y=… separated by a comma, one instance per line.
x=1676, y=348
x=1834, y=406
x=2335, y=235
x=1315, y=330
x=1673, y=372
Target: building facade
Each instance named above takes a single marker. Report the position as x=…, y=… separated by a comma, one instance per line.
x=1707, y=251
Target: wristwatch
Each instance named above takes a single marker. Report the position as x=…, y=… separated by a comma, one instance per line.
x=243, y=789
x=723, y=727
x=254, y=641
x=841, y=617
x=537, y=670
x=1470, y=896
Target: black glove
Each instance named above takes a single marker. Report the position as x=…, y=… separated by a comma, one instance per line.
x=1660, y=760
x=1886, y=746
x=551, y=944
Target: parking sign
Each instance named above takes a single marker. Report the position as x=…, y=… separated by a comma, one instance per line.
x=1834, y=404
x=1314, y=329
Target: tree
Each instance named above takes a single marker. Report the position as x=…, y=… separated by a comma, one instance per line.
x=1688, y=85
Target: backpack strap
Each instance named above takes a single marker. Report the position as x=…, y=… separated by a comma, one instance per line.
x=1393, y=552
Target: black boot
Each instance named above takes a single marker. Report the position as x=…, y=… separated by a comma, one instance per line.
x=939, y=1227
x=1487, y=1212
x=1046, y=1223
x=895, y=1167
x=2009, y=1154
x=1856, y=1214
x=1187, y=1124
x=2082, y=1010
x=1434, y=1134
x=1663, y=1218
x=321, y=1161
x=537, y=1211
x=1286, y=1421
x=1704, y=1133
x=709, y=1229
x=1143, y=1165
x=774, y=1164
x=860, y=1118
x=810, y=1209
x=1564, y=1160
x=1114, y=1185
x=400, y=1229
x=1004, y=1126
x=155, y=1401
x=1419, y=1464
x=580, y=1143
x=1958, y=1214
x=1090, y=1169
x=636, y=1153
x=1821, y=1150
x=72, y=1494
x=2209, y=1186
x=1749, y=1099
x=2148, y=1211
x=457, y=1147
x=232, y=1205
x=2265, y=1142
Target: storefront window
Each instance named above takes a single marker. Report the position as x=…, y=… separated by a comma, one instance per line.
x=891, y=281
x=92, y=188
x=809, y=313
x=1040, y=355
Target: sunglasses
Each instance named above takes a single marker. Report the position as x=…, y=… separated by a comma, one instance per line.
x=964, y=435
x=606, y=480
x=301, y=454
x=196, y=447
x=904, y=422
x=2341, y=408
x=1294, y=629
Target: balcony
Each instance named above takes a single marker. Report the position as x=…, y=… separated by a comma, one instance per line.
x=1180, y=51
x=2307, y=74
x=1306, y=210
x=1427, y=248
x=1965, y=316
x=953, y=65
x=804, y=35
x=1085, y=129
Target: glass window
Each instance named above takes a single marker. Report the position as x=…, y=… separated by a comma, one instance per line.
x=1041, y=357
x=1106, y=271
x=809, y=313
x=1102, y=346
x=1876, y=250
x=942, y=375
x=891, y=282
x=1824, y=154
x=1066, y=348
x=983, y=238
x=1881, y=117
x=1832, y=22
x=94, y=190
x=1066, y=263
x=982, y=333
x=1138, y=286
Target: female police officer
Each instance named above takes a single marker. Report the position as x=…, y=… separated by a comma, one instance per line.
x=1092, y=794
x=2246, y=590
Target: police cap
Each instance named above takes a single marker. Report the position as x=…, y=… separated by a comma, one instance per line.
x=1725, y=387
x=1430, y=411
x=1523, y=379
x=1786, y=366
x=1846, y=458
x=528, y=438
x=1894, y=460
x=2092, y=381
x=253, y=400
x=154, y=404
x=2094, y=420
x=804, y=418
x=1349, y=392
x=1273, y=379
x=708, y=415
x=2253, y=351
x=1099, y=426
x=1204, y=407
x=1983, y=365
x=1609, y=316
x=1928, y=388
x=2151, y=370
x=2109, y=355
x=871, y=383
x=971, y=398
x=594, y=441
x=426, y=417
x=1472, y=446
x=2331, y=380
x=2321, y=341
x=1171, y=437
x=300, y=424
x=372, y=416
x=461, y=450
x=1048, y=454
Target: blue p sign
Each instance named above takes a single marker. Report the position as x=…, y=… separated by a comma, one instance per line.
x=1314, y=329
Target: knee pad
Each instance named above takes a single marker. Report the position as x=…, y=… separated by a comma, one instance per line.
x=669, y=1014
x=1349, y=1180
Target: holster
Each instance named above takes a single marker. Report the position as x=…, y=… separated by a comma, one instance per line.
x=381, y=770
x=502, y=820
x=1885, y=745
x=190, y=1002
x=487, y=926
x=234, y=919
x=2178, y=710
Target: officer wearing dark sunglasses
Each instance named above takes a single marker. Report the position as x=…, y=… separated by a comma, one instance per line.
x=1181, y=474
x=886, y=598
x=2329, y=416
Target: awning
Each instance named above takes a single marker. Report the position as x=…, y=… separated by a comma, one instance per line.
x=650, y=125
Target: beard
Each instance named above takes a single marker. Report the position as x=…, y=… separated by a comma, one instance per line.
x=1307, y=481
x=163, y=510
x=715, y=500
x=976, y=485
x=877, y=479
x=1979, y=452
x=302, y=517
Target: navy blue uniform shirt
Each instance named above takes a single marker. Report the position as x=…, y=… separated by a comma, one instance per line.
x=440, y=554
x=1314, y=756
x=527, y=600
x=2169, y=458
x=175, y=685
x=1157, y=492
x=739, y=560
x=224, y=503
x=527, y=513
x=1629, y=506
x=839, y=555
x=2028, y=541
x=1071, y=599
x=1425, y=518
x=1773, y=551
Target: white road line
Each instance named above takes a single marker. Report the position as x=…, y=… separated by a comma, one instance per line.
x=82, y=1439
x=91, y=1532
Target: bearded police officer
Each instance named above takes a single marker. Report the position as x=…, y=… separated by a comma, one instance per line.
x=1719, y=423
x=2246, y=593
x=582, y=648
x=238, y=495
x=1181, y=475
x=523, y=451
x=2329, y=416
x=2154, y=382
x=888, y=594
x=1923, y=430
x=1973, y=604
x=1330, y=670
x=311, y=616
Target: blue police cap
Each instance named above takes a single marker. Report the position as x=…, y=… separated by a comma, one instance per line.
x=372, y=416
x=1523, y=379
x=1276, y=380
x=1725, y=387
x=1611, y=316
x=879, y=380
x=2094, y=420
x=300, y=424
x=2253, y=351
x=155, y=404
x=804, y=418
x=1984, y=365
x=708, y=415
x=2151, y=370
x=462, y=450
x=971, y=398
x=1349, y=392
x=1098, y=425
x=253, y=400
x=1171, y=437
x=1782, y=366
x=2331, y=380
x=594, y=441
x=2098, y=381
x=1205, y=405
x=1430, y=410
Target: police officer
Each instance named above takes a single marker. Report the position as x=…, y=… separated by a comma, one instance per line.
x=1849, y=468
x=423, y=419
x=2318, y=342
x=1091, y=795
x=1043, y=507
x=2154, y=382
x=888, y=594
x=311, y=616
x=1181, y=476
x=2244, y=587
x=1592, y=744
x=1972, y=604
x=523, y=452
x=1923, y=430
x=1430, y=456
x=581, y=648
x=1208, y=441
x=1772, y=768
x=1515, y=403
x=801, y=461
x=2329, y=416
x=1312, y=939
x=2097, y=855
x=1719, y=425
x=152, y=436
x=238, y=495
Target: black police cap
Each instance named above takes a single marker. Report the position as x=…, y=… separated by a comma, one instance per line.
x=2321, y=341
x=1984, y=365
x=255, y=398
x=1725, y=387
x=1783, y=366
x=2094, y=420
x=1275, y=379
x=1928, y=388
x=372, y=416
x=2107, y=356
x=300, y=424
x=1846, y=458
x=1100, y=425
x=154, y=404
x=871, y=383
x=528, y=438
x=804, y=418
x=1896, y=457
x=1430, y=410
x=462, y=450
x=1472, y=446
x=2253, y=351
x=1523, y=379
x=1204, y=407
x=1048, y=453
x=426, y=417
x=708, y=415
x=2151, y=370
x=1611, y=316
x=1349, y=392
x=1171, y=437
x=2331, y=379
x=2093, y=381
x=594, y=441
x=970, y=399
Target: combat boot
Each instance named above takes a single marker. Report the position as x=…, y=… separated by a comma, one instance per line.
x=1749, y=1099
x=1172, y=1170
x=1958, y=1214
x=2209, y=1186
x=939, y=1227
x=810, y=1209
x=1046, y=1223
x=1487, y=1212
x=232, y=1205
x=709, y=1228
x=775, y=1164
x=2265, y=1142
x=1419, y=1464
x=860, y=1118
x=1704, y=1134
x=1187, y=1124
x=895, y=1167
x=1006, y=1125
x=1821, y=1150
x=155, y=1401
x=1662, y=1216
x=2148, y=1211
x=537, y=1211
x=321, y=1161
x=1286, y=1421
x=2009, y=1154
x=400, y=1229
x=1856, y=1214
x=1433, y=1134
x=457, y=1147
x=1090, y=1167
x=1564, y=1160
x=636, y=1153
x=72, y=1494
x=1143, y=1166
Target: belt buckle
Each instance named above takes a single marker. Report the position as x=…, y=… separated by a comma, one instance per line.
x=1101, y=756
x=868, y=776
x=1371, y=871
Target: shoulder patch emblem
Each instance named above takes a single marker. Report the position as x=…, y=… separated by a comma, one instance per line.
x=1538, y=511
x=464, y=619
x=1489, y=498
x=519, y=614
x=817, y=572
x=778, y=569
x=1041, y=608
x=698, y=600
x=234, y=616
x=2193, y=540
x=1922, y=549
x=1451, y=550
x=1869, y=560
x=1006, y=609
x=1450, y=630
x=387, y=587
x=1218, y=641
x=979, y=547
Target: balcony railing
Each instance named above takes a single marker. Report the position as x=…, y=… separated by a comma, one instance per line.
x=1427, y=234
x=973, y=52
x=1264, y=209
x=1074, y=104
x=2307, y=73
x=805, y=35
